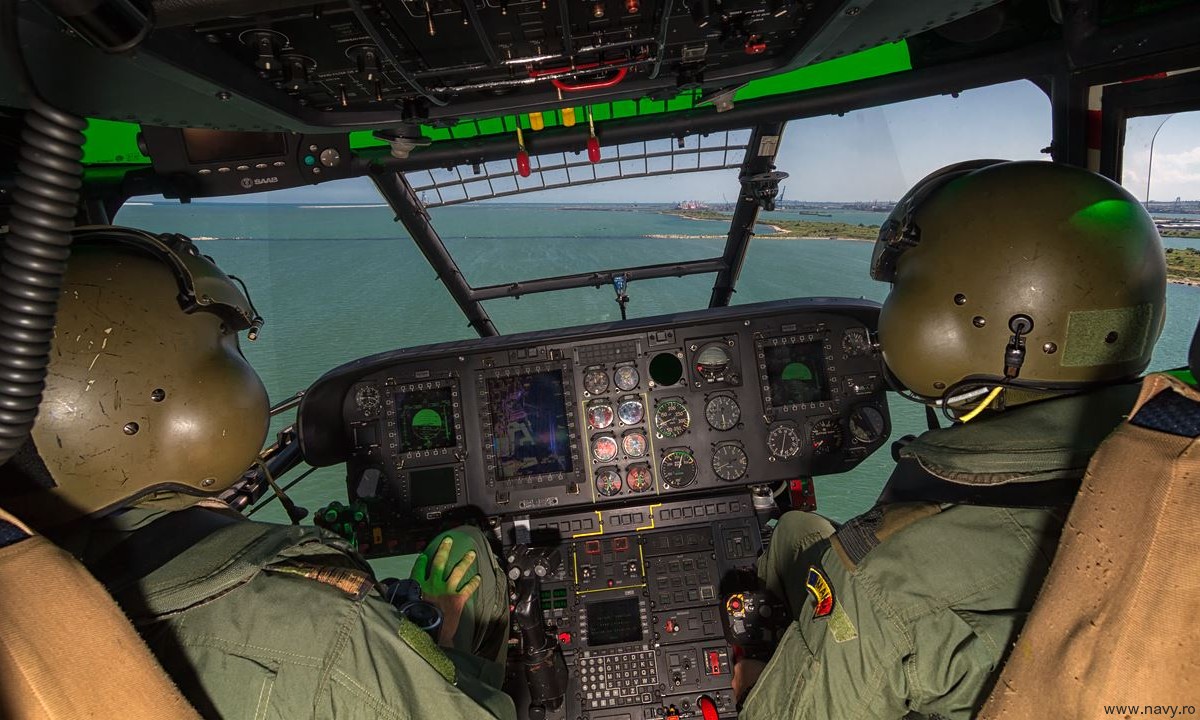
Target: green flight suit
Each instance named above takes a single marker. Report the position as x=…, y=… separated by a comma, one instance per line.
x=912, y=607
x=256, y=620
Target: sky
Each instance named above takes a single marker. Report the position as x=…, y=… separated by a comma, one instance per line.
x=876, y=154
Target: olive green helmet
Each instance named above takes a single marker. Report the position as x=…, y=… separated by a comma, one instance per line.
x=147, y=389
x=1029, y=274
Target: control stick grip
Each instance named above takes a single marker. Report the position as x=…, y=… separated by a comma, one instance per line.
x=542, y=658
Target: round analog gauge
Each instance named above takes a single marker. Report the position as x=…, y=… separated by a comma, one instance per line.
x=866, y=424
x=595, y=381
x=678, y=469
x=608, y=482
x=367, y=398
x=712, y=362
x=856, y=342
x=634, y=444
x=638, y=478
x=626, y=377
x=783, y=441
x=826, y=436
x=600, y=415
x=729, y=462
x=722, y=412
x=671, y=418
x=604, y=448
x=631, y=411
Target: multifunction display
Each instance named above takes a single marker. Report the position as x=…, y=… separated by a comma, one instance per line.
x=425, y=419
x=614, y=621
x=796, y=373
x=529, y=425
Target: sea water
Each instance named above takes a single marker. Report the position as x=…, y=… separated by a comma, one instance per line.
x=337, y=283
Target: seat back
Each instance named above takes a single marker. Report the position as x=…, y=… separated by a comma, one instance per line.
x=66, y=649
x=1117, y=622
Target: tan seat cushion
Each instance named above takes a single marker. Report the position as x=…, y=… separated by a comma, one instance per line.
x=66, y=649
x=1118, y=619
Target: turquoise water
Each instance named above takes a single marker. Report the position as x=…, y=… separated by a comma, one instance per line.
x=338, y=283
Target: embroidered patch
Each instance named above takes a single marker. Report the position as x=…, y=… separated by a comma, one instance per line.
x=352, y=582
x=841, y=626
x=821, y=591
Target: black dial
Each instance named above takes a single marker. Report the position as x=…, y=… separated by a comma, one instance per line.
x=729, y=462
x=608, y=482
x=595, y=381
x=678, y=469
x=826, y=436
x=367, y=399
x=783, y=441
x=856, y=342
x=866, y=424
x=722, y=412
x=671, y=418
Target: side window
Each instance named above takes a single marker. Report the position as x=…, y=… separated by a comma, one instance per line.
x=1161, y=167
x=846, y=173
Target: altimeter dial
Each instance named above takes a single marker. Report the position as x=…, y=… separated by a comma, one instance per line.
x=729, y=462
x=722, y=412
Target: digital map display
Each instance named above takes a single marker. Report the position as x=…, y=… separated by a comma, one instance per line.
x=529, y=419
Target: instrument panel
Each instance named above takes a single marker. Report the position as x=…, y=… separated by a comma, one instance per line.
x=637, y=412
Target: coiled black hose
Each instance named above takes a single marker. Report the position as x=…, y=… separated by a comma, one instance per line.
x=38, y=244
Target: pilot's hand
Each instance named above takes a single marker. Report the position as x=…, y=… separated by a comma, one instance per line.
x=447, y=591
x=745, y=674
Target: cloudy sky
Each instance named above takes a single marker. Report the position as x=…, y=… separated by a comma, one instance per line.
x=877, y=154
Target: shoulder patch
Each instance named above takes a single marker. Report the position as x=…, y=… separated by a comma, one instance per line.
x=354, y=583
x=821, y=591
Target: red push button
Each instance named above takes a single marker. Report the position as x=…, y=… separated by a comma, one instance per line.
x=564, y=638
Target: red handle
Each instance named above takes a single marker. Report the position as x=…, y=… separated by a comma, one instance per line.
x=593, y=148
x=523, y=163
x=594, y=85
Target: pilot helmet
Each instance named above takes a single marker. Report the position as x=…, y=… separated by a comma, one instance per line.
x=147, y=390
x=1032, y=275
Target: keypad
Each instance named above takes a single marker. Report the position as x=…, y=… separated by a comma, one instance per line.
x=617, y=680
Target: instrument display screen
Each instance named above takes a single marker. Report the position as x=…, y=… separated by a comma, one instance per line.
x=796, y=373
x=614, y=621
x=425, y=419
x=530, y=430
x=432, y=486
x=212, y=146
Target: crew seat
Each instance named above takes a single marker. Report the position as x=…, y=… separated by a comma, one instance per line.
x=1117, y=624
x=66, y=650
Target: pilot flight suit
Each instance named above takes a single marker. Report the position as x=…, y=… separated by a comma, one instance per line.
x=913, y=606
x=254, y=620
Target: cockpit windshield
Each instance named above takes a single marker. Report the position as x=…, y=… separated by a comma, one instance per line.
x=337, y=278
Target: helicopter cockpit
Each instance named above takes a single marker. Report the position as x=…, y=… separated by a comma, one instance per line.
x=645, y=458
